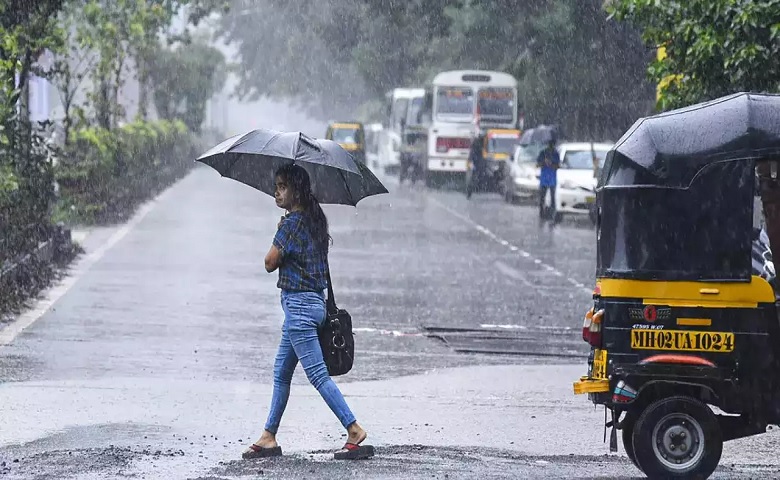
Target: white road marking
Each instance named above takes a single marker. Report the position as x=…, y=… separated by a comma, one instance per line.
x=513, y=248
x=26, y=319
x=507, y=327
x=395, y=333
x=511, y=326
x=513, y=273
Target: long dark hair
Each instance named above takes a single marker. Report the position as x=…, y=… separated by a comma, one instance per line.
x=297, y=179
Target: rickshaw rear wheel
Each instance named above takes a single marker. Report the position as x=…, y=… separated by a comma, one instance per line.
x=627, y=431
x=677, y=437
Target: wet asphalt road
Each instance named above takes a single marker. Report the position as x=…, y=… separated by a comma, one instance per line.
x=155, y=359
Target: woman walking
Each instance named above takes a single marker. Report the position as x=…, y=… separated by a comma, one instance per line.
x=300, y=251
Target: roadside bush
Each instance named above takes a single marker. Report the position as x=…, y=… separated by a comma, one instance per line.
x=26, y=191
x=8, y=188
x=105, y=174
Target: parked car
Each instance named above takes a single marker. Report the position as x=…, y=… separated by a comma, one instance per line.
x=577, y=177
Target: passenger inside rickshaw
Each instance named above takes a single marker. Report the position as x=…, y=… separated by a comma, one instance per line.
x=763, y=266
x=761, y=252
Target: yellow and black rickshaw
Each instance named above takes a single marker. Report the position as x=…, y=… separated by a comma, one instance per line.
x=685, y=306
x=351, y=136
x=498, y=146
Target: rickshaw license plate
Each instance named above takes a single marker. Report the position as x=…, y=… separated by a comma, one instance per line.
x=590, y=199
x=682, y=340
x=599, y=364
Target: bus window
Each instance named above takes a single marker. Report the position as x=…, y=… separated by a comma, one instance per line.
x=455, y=102
x=497, y=105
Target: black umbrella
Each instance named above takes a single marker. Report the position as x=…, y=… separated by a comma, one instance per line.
x=252, y=159
x=672, y=147
x=543, y=134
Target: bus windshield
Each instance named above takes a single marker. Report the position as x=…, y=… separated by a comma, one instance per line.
x=398, y=113
x=413, y=117
x=455, y=102
x=497, y=105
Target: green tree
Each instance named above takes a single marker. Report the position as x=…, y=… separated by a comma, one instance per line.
x=123, y=34
x=72, y=65
x=713, y=47
x=26, y=192
x=184, y=79
x=575, y=66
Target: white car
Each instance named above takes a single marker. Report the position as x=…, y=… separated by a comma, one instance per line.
x=522, y=180
x=576, y=192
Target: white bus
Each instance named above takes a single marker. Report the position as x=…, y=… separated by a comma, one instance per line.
x=463, y=102
x=397, y=102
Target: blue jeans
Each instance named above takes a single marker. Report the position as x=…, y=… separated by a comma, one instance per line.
x=303, y=313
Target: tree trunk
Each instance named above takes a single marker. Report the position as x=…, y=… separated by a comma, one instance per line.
x=143, y=81
x=103, y=105
x=117, y=109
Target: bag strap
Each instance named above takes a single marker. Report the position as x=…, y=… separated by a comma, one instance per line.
x=331, y=300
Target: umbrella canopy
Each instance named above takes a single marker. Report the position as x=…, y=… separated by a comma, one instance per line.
x=252, y=158
x=670, y=148
x=543, y=134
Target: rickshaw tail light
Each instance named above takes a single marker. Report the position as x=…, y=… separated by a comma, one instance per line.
x=592, y=335
x=591, y=329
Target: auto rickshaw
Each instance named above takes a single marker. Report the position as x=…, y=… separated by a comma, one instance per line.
x=351, y=136
x=498, y=146
x=684, y=312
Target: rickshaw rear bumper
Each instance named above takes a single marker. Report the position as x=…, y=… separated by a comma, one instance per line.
x=591, y=386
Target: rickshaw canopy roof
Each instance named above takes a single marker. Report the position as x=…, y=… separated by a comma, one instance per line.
x=669, y=149
x=346, y=125
x=502, y=132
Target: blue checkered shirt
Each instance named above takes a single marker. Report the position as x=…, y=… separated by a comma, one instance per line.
x=304, y=265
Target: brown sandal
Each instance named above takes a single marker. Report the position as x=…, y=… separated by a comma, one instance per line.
x=256, y=451
x=353, y=451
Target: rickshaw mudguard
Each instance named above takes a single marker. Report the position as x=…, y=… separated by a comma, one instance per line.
x=708, y=384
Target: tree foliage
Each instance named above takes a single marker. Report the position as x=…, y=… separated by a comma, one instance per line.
x=26, y=28
x=575, y=66
x=713, y=47
x=184, y=79
x=118, y=31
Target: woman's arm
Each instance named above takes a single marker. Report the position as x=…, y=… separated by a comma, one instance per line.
x=273, y=259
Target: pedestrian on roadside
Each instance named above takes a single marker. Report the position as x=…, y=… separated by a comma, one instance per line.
x=549, y=161
x=300, y=252
x=477, y=162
